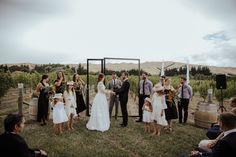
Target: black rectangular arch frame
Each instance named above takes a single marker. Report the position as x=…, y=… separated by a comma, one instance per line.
x=103, y=70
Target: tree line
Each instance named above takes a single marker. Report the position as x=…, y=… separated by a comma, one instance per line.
x=42, y=69
x=203, y=70
x=47, y=68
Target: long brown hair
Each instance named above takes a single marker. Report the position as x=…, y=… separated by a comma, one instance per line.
x=43, y=78
x=72, y=89
x=149, y=105
x=160, y=92
x=58, y=78
x=74, y=77
x=100, y=77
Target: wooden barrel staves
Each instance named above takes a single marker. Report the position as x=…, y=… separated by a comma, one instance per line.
x=206, y=114
x=33, y=108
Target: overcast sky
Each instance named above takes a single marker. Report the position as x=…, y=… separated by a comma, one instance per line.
x=70, y=31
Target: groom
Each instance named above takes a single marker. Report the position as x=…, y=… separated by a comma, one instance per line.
x=123, y=96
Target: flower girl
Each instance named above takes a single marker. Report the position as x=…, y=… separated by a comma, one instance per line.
x=59, y=114
x=70, y=103
x=147, y=114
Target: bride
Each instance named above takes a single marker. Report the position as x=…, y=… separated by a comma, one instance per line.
x=99, y=119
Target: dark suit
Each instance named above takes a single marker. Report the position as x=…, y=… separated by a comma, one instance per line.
x=226, y=147
x=123, y=96
x=13, y=145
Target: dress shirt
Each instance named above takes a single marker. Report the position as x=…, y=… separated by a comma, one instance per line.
x=147, y=87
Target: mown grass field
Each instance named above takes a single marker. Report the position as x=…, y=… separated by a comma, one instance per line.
x=117, y=142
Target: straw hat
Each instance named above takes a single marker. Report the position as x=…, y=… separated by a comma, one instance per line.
x=158, y=87
x=70, y=83
x=148, y=99
x=57, y=96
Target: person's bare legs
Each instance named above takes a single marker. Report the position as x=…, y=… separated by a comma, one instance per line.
x=68, y=123
x=71, y=121
x=145, y=127
x=60, y=128
x=148, y=128
x=155, y=129
x=170, y=125
x=55, y=129
x=158, y=130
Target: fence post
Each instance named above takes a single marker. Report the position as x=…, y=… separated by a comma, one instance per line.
x=20, y=98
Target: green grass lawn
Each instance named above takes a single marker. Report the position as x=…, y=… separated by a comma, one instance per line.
x=117, y=142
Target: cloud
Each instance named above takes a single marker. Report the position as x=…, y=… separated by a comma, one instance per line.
x=223, y=55
x=219, y=36
x=43, y=31
x=222, y=10
x=19, y=16
x=223, y=51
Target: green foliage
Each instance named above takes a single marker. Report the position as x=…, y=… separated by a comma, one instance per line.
x=200, y=83
x=34, y=80
x=23, y=68
x=134, y=83
x=21, y=77
x=81, y=70
x=200, y=70
x=203, y=88
x=131, y=72
x=4, y=68
x=5, y=82
x=48, y=68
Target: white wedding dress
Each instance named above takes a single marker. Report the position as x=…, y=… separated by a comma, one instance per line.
x=99, y=119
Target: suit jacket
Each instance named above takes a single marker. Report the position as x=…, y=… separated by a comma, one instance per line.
x=226, y=147
x=13, y=145
x=124, y=91
x=111, y=84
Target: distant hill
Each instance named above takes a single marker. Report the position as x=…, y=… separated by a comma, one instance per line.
x=150, y=67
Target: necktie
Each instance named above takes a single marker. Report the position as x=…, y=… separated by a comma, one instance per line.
x=144, y=87
x=114, y=83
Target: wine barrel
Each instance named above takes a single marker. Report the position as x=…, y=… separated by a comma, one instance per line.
x=206, y=114
x=33, y=108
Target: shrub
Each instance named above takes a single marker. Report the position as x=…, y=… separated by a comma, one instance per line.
x=5, y=83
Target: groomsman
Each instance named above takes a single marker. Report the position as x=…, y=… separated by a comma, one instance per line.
x=114, y=85
x=123, y=96
x=185, y=94
x=145, y=90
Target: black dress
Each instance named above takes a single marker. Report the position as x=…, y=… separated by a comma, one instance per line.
x=60, y=88
x=43, y=104
x=79, y=98
x=171, y=111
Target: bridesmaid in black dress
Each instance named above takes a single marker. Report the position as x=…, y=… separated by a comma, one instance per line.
x=79, y=90
x=171, y=111
x=43, y=100
x=60, y=83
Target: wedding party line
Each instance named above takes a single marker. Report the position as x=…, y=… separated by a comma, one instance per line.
x=157, y=104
